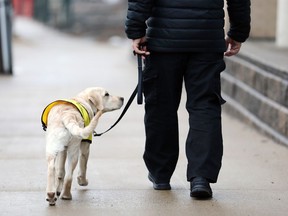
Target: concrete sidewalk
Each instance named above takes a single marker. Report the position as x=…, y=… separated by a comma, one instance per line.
x=50, y=65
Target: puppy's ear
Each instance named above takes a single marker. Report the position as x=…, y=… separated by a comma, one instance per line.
x=96, y=101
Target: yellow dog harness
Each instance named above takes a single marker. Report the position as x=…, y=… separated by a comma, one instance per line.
x=80, y=107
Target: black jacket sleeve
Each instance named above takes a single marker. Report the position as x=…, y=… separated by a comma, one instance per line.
x=137, y=14
x=239, y=16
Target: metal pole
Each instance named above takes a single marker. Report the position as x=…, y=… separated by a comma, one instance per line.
x=5, y=39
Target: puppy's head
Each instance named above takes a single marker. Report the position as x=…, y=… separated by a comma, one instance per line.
x=100, y=99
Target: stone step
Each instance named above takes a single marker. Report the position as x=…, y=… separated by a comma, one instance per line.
x=269, y=82
x=257, y=95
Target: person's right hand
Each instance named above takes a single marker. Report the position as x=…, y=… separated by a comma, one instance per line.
x=233, y=47
x=139, y=46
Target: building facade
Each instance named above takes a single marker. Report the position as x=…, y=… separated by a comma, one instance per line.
x=269, y=20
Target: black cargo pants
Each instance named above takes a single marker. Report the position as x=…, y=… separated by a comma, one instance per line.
x=163, y=79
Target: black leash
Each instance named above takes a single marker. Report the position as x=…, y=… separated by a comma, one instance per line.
x=140, y=80
x=138, y=90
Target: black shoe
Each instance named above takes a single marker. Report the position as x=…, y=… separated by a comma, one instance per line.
x=200, y=188
x=159, y=186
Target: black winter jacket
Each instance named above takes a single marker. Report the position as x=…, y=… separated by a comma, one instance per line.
x=187, y=25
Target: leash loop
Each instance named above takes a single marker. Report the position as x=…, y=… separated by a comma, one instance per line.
x=140, y=80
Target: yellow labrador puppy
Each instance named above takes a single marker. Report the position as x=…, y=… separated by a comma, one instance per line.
x=70, y=124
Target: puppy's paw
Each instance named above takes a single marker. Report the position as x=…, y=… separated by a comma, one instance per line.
x=51, y=198
x=82, y=181
x=99, y=114
x=66, y=196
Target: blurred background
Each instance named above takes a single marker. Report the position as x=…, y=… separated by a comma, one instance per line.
x=99, y=19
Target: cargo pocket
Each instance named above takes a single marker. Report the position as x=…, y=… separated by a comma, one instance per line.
x=150, y=78
x=220, y=98
x=217, y=83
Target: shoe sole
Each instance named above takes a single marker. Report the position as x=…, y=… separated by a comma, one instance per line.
x=201, y=193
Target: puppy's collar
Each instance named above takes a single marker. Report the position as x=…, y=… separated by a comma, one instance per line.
x=84, y=113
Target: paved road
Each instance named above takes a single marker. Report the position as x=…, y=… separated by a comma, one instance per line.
x=50, y=65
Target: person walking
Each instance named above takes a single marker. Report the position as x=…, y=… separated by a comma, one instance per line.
x=184, y=41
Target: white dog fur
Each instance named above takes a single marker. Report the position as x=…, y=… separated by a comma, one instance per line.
x=65, y=131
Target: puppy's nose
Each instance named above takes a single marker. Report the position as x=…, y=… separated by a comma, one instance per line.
x=122, y=99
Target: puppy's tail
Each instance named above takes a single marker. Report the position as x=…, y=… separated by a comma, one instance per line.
x=85, y=132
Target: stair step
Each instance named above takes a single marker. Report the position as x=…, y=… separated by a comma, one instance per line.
x=266, y=83
x=257, y=93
